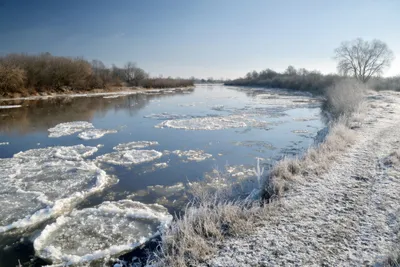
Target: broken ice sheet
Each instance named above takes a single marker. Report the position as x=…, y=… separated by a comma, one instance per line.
x=68, y=128
x=94, y=133
x=128, y=157
x=135, y=145
x=106, y=230
x=192, y=155
x=41, y=183
x=205, y=123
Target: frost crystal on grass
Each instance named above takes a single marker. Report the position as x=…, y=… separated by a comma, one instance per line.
x=106, y=230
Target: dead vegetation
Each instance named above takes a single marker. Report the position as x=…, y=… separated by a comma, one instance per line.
x=24, y=75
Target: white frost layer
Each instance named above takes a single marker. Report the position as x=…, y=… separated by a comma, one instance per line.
x=128, y=157
x=134, y=145
x=94, y=134
x=68, y=128
x=10, y=106
x=206, y=123
x=41, y=183
x=192, y=155
x=106, y=230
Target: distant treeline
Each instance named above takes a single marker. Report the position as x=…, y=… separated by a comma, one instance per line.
x=304, y=80
x=29, y=74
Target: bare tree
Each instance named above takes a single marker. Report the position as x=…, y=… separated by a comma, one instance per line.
x=363, y=59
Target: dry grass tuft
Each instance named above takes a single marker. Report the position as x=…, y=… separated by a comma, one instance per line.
x=191, y=239
x=315, y=161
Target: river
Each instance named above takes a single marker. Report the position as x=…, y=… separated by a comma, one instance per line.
x=80, y=158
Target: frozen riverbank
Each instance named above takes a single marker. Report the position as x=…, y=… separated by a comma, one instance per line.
x=347, y=216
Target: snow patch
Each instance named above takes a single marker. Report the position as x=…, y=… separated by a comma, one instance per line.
x=10, y=106
x=68, y=128
x=103, y=231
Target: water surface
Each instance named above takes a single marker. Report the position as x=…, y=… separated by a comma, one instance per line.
x=232, y=126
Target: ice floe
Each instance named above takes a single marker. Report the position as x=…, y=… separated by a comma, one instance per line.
x=167, y=116
x=135, y=145
x=214, y=123
x=68, y=128
x=94, y=134
x=4, y=143
x=111, y=228
x=205, y=123
x=41, y=183
x=10, y=106
x=129, y=157
x=192, y=155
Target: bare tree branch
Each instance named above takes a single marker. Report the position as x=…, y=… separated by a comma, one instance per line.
x=363, y=59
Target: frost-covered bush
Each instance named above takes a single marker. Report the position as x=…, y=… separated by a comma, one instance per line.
x=344, y=97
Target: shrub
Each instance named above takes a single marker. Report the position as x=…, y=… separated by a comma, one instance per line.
x=12, y=79
x=344, y=97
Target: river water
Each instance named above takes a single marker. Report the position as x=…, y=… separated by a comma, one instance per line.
x=113, y=167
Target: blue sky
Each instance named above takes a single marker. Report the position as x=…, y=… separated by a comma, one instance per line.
x=203, y=38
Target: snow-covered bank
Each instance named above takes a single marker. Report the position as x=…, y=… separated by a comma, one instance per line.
x=343, y=210
x=110, y=94
x=345, y=216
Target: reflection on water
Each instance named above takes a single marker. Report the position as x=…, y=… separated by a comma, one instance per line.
x=213, y=127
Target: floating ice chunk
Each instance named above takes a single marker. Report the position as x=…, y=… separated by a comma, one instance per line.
x=300, y=131
x=128, y=157
x=41, y=183
x=161, y=165
x=10, y=106
x=95, y=233
x=73, y=153
x=206, y=123
x=134, y=145
x=4, y=143
x=112, y=96
x=68, y=128
x=192, y=155
x=218, y=107
x=167, y=116
x=305, y=119
x=94, y=134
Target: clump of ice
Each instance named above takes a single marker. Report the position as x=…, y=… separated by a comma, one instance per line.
x=4, y=143
x=205, y=123
x=129, y=157
x=103, y=231
x=135, y=145
x=112, y=96
x=192, y=155
x=10, y=106
x=167, y=116
x=41, y=183
x=94, y=134
x=68, y=128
